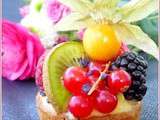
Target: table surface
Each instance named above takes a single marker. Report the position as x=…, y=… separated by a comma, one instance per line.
x=19, y=96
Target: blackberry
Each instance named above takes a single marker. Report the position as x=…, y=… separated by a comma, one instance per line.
x=136, y=66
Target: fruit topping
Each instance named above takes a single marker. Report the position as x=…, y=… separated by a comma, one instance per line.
x=98, y=42
x=105, y=102
x=96, y=66
x=100, y=78
x=56, y=62
x=119, y=81
x=87, y=90
x=75, y=79
x=136, y=66
x=80, y=106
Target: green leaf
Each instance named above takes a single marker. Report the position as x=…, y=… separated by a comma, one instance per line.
x=77, y=5
x=136, y=10
x=133, y=35
x=150, y=22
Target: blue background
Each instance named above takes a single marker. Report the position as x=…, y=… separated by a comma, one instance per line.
x=19, y=96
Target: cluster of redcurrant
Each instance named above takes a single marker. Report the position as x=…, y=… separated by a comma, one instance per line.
x=81, y=81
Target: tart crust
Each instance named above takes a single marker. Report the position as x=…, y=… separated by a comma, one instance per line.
x=47, y=112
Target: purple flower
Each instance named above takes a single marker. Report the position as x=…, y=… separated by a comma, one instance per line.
x=56, y=11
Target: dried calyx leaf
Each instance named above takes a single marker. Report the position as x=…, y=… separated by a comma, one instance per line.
x=133, y=35
x=136, y=10
x=86, y=13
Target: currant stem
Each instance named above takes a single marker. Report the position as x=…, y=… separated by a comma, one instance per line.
x=99, y=79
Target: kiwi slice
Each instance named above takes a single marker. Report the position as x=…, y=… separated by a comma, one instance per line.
x=56, y=62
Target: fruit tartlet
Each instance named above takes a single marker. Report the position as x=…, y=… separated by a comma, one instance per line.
x=97, y=78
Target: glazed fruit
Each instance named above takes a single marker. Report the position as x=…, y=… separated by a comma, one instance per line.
x=98, y=42
x=136, y=66
x=119, y=81
x=56, y=62
x=105, y=102
x=74, y=79
x=80, y=106
x=95, y=69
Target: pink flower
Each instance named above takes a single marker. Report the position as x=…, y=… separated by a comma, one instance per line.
x=56, y=11
x=20, y=53
x=80, y=33
x=24, y=10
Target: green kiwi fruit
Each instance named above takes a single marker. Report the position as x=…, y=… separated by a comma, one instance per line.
x=56, y=62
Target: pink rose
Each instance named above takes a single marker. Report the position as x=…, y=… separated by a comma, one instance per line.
x=24, y=10
x=20, y=53
x=56, y=11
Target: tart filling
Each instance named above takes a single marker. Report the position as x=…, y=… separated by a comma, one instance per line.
x=122, y=107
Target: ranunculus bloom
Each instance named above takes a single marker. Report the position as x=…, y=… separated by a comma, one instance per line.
x=24, y=10
x=21, y=51
x=56, y=10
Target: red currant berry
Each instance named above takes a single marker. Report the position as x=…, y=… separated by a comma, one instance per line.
x=80, y=106
x=119, y=81
x=74, y=79
x=105, y=102
x=102, y=84
x=96, y=66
